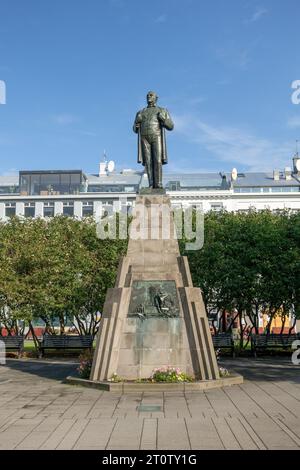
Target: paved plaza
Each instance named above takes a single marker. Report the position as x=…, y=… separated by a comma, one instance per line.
x=39, y=411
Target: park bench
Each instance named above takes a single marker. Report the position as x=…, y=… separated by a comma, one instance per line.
x=224, y=341
x=272, y=341
x=13, y=343
x=65, y=342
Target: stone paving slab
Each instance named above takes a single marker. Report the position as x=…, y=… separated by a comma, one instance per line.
x=39, y=411
x=172, y=433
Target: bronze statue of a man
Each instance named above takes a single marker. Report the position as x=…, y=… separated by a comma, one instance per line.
x=150, y=124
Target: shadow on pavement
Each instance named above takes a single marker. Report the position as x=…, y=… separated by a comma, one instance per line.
x=259, y=369
x=55, y=370
x=262, y=369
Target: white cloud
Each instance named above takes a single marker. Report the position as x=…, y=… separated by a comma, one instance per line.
x=257, y=15
x=186, y=165
x=2, y=92
x=293, y=122
x=233, y=145
x=65, y=119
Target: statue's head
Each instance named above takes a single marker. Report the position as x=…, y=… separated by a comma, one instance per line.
x=151, y=98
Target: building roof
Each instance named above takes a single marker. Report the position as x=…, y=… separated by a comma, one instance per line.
x=260, y=179
x=10, y=180
x=185, y=181
x=195, y=180
x=116, y=178
x=48, y=172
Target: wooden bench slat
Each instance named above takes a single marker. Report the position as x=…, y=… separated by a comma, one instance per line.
x=223, y=341
x=14, y=343
x=66, y=342
x=272, y=341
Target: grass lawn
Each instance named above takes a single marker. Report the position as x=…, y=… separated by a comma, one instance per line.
x=29, y=346
x=30, y=351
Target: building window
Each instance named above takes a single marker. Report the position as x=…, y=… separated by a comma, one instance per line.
x=176, y=206
x=44, y=183
x=216, y=207
x=10, y=209
x=246, y=190
x=48, y=209
x=284, y=189
x=277, y=190
x=87, y=208
x=29, y=210
x=173, y=185
x=109, y=188
x=9, y=189
x=68, y=209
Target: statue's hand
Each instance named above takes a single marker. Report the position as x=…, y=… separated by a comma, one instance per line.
x=138, y=118
x=161, y=117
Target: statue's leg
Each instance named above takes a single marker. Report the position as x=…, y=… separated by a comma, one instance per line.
x=157, y=162
x=146, y=149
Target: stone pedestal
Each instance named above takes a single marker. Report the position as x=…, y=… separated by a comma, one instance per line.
x=153, y=317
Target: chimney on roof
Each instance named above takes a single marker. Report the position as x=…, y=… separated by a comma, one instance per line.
x=102, y=169
x=103, y=165
x=288, y=173
x=276, y=175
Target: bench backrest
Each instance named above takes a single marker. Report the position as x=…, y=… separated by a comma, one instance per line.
x=65, y=341
x=223, y=339
x=12, y=341
x=273, y=340
x=79, y=341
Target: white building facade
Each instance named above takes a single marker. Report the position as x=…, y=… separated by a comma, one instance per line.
x=76, y=194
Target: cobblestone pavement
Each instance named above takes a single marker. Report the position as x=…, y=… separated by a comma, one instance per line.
x=38, y=411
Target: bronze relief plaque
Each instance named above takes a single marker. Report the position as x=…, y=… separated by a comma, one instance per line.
x=154, y=299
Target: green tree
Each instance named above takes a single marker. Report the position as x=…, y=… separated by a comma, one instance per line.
x=249, y=263
x=55, y=270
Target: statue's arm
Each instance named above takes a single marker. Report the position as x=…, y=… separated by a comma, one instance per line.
x=137, y=122
x=167, y=121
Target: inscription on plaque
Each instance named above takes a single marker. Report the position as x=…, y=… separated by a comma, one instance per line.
x=154, y=299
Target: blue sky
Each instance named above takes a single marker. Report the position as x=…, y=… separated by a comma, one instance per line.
x=77, y=71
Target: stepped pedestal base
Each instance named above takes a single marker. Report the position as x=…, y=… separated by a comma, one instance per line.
x=153, y=317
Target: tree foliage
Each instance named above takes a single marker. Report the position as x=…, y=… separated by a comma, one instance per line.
x=55, y=270
x=249, y=263
x=58, y=270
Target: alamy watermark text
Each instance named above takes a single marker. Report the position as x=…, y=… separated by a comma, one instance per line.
x=2, y=92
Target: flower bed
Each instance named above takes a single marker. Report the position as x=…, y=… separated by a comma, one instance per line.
x=85, y=366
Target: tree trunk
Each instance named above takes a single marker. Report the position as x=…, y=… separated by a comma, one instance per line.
x=283, y=324
x=293, y=325
x=241, y=330
x=34, y=337
x=224, y=321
